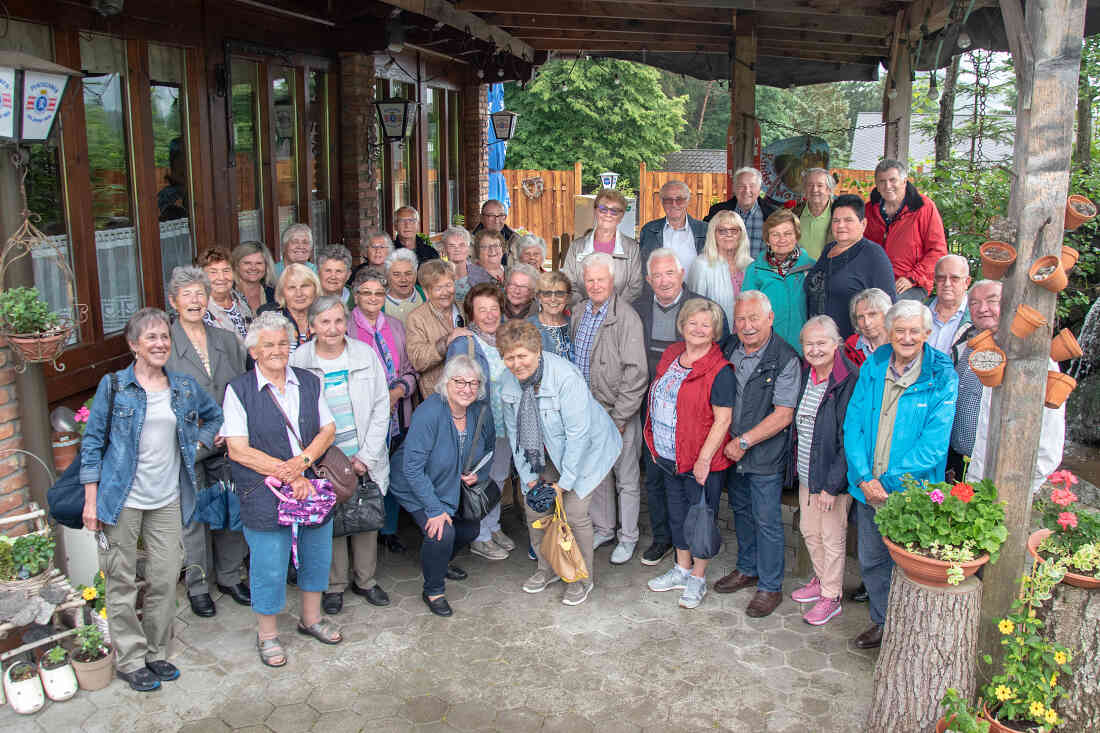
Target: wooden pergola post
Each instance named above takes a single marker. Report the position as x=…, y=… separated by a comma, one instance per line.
x=739, y=142
x=899, y=85
x=1046, y=50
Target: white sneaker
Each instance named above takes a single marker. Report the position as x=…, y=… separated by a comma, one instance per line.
x=577, y=593
x=503, y=541
x=675, y=578
x=488, y=550
x=599, y=539
x=623, y=552
x=694, y=591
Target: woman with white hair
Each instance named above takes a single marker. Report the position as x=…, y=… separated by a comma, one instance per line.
x=719, y=272
x=333, y=270
x=297, y=248
x=529, y=248
x=298, y=287
x=444, y=438
x=868, y=314
x=403, y=294
x=456, y=243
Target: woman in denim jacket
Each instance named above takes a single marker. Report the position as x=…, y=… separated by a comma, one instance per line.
x=139, y=481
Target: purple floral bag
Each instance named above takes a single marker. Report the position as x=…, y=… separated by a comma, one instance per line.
x=308, y=512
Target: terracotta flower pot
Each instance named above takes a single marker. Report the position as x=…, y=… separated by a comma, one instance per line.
x=997, y=257
x=1069, y=257
x=983, y=340
x=989, y=373
x=1078, y=210
x=65, y=448
x=942, y=723
x=1026, y=320
x=95, y=675
x=1058, y=388
x=1047, y=272
x=1075, y=579
x=929, y=571
x=996, y=726
x=1065, y=346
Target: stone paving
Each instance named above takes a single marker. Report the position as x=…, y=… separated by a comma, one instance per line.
x=626, y=660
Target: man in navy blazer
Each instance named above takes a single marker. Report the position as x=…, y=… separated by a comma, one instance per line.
x=676, y=230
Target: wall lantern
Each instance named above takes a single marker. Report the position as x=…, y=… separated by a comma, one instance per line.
x=393, y=116
x=31, y=90
x=504, y=124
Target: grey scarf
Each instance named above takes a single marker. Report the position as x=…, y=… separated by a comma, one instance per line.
x=528, y=428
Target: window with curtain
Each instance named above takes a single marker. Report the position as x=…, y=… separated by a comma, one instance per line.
x=454, y=177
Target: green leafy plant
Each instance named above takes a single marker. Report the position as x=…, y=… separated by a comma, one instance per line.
x=91, y=646
x=22, y=311
x=31, y=554
x=7, y=563
x=55, y=657
x=21, y=671
x=961, y=716
x=1075, y=532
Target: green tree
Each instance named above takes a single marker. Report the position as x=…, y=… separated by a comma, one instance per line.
x=610, y=115
x=817, y=109
x=707, y=112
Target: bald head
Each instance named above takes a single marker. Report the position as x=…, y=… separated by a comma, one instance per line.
x=952, y=280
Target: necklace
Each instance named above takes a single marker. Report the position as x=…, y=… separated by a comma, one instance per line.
x=458, y=417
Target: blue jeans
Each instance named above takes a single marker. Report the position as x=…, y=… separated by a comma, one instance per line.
x=435, y=554
x=392, y=510
x=269, y=553
x=683, y=491
x=758, y=522
x=656, y=499
x=874, y=561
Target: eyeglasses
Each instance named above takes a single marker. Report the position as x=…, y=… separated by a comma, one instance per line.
x=517, y=286
x=466, y=383
x=609, y=210
x=381, y=247
x=678, y=200
x=554, y=293
x=407, y=220
x=494, y=216
x=730, y=232
x=492, y=248
x=371, y=293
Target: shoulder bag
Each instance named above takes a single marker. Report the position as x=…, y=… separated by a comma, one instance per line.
x=333, y=465
x=478, y=500
x=66, y=497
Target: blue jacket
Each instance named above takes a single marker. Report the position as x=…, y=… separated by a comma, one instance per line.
x=425, y=470
x=114, y=465
x=787, y=297
x=580, y=437
x=922, y=427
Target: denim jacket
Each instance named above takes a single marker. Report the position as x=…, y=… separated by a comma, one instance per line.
x=114, y=465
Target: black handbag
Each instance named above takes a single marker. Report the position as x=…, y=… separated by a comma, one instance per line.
x=478, y=500
x=365, y=511
x=700, y=529
x=66, y=497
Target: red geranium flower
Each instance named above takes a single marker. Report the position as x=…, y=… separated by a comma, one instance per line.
x=963, y=492
x=1063, y=497
x=1064, y=477
x=1068, y=520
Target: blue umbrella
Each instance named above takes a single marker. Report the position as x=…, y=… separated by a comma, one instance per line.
x=497, y=151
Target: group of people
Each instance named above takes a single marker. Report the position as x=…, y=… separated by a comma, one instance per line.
x=753, y=352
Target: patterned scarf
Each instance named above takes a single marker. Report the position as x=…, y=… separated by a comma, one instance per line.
x=528, y=428
x=365, y=328
x=489, y=338
x=785, y=264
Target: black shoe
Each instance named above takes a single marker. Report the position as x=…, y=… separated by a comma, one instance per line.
x=392, y=543
x=869, y=639
x=332, y=603
x=439, y=606
x=202, y=605
x=454, y=572
x=141, y=679
x=239, y=593
x=163, y=670
x=374, y=595
x=859, y=595
x=656, y=552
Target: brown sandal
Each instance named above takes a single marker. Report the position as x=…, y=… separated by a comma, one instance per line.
x=323, y=631
x=271, y=649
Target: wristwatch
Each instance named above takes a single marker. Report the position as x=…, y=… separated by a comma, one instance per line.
x=742, y=443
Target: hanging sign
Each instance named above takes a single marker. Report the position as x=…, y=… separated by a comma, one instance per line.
x=7, y=102
x=41, y=98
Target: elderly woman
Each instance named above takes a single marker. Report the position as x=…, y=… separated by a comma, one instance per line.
x=354, y=385
x=530, y=249
x=139, y=481
x=428, y=328
x=373, y=251
x=550, y=319
x=483, y=307
x=278, y=423
x=226, y=308
x=868, y=313
x=297, y=248
x=333, y=269
x=519, y=290
x=253, y=274
x=823, y=498
x=212, y=357
x=693, y=382
x=560, y=435
x=778, y=273
x=610, y=207
x=428, y=466
x=719, y=272
x=404, y=294
x=456, y=243
x=488, y=253
x=298, y=287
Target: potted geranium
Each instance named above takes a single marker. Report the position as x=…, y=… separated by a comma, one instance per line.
x=31, y=327
x=58, y=677
x=940, y=533
x=93, y=660
x=959, y=716
x=1070, y=534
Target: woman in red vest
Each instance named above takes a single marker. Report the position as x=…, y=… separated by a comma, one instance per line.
x=687, y=426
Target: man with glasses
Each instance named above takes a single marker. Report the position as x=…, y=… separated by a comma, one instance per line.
x=749, y=205
x=494, y=218
x=677, y=230
x=950, y=316
x=407, y=222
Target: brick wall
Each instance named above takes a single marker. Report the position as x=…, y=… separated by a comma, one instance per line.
x=14, y=487
x=475, y=150
x=357, y=133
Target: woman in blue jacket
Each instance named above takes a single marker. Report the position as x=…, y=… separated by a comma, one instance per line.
x=779, y=271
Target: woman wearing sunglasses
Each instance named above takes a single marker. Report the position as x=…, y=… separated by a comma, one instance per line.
x=605, y=237
x=553, y=291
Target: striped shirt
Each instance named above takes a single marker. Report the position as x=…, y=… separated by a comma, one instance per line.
x=586, y=337
x=806, y=418
x=338, y=397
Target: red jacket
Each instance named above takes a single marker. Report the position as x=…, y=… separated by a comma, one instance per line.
x=915, y=241
x=694, y=415
x=852, y=351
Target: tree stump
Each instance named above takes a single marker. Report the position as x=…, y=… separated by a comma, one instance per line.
x=929, y=643
x=1074, y=622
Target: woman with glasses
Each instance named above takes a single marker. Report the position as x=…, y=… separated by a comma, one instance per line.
x=456, y=243
x=779, y=272
x=718, y=273
x=605, y=237
x=552, y=322
x=430, y=327
x=489, y=254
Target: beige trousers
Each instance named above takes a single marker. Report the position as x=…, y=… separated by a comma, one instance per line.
x=576, y=513
x=825, y=534
x=364, y=561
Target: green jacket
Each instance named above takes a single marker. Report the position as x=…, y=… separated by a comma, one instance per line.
x=785, y=293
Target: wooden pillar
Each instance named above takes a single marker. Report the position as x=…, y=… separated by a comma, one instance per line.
x=899, y=85
x=1046, y=49
x=739, y=140
x=644, y=197
x=358, y=135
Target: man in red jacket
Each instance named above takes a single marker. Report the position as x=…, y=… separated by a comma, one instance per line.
x=908, y=226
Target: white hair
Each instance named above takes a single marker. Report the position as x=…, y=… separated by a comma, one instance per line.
x=322, y=304
x=461, y=365
x=750, y=170
x=747, y=295
x=829, y=180
x=268, y=321
x=823, y=322
x=456, y=231
x=887, y=163
x=952, y=258
x=401, y=254
x=523, y=242
x=681, y=184
x=522, y=268
x=660, y=253
x=598, y=259
x=909, y=309
x=184, y=276
x=297, y=229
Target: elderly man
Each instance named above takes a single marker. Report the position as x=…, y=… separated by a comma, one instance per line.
x=676, y=230
x=297, y=244
x=908, y=226
x=402, y=294
x=493, y=218
x=815, y=215
x=748, y=204
x=407, y=222
x=950, y=316
x=333, y=268
x=609, y=350
x=374, y=251
x=519, y=291
x=769, y=376
x=897, y=425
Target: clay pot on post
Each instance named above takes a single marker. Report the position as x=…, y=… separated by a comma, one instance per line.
x=988, y=365
x=1058, y=388
x=1078, y=210
x=1069, y=257
x=983, y=340
x=1026, y=320
x=1065, y=346
x=927, y=570
x=1047, y=272
x=997, y=257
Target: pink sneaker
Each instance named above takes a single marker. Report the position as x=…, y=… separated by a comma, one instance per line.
x=808, y=593
x=822, y=611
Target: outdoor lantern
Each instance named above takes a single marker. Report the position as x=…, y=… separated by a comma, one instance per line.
x=609, y=179
x=393, y=114
x=504, y=124
x=31, y=90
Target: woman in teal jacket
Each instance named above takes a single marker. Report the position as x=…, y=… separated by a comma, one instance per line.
x=778, y=272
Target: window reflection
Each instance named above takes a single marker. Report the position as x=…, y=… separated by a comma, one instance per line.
x=246, y=146
x=285, y=128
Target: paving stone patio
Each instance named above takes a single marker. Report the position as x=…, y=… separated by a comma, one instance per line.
x=626, y=660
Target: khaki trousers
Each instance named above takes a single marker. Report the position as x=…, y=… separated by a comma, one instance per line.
x=826, y=539
x=623, y=481
x=364, y=561
x=576, y=513
x=139, y=641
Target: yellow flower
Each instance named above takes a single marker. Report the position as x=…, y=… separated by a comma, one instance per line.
x=1037, y=710
x=103, y=612
x=1060, y=658
x=1031, y=613
x=1006, y=626
x=1052, y=718
x=90, y=594
x=1003, y=693
x=1054, y=679
x=101, y=573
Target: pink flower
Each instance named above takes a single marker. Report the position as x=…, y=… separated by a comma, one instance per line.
x=936, y=496
x=1064, y=477
x=1063, y=497
x=1068, y=520
x=82, y=414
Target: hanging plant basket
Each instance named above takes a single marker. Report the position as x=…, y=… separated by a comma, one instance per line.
x=41, y=347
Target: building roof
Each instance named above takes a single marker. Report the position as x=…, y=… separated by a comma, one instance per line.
x=868, y=142
x=696, y=160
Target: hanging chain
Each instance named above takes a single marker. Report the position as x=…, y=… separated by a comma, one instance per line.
x=804, y=131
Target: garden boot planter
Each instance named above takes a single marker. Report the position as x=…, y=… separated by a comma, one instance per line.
x=997, y=257
x=988, y=364
x=1047, y=272
x=24, y=692
x=59, y=682
x=983, y=340
x=1078, y=210
x=1075, y=579
x=97, y=674
x=1069, y=257
x=1058, y=388
x=1026, y=320
x=1065, y=346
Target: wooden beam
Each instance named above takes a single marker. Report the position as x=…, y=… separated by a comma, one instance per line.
x=565, y=44
x=855, y=8
x=670, y=33
x=827, y=56
x=900, y=83
x=874, y=27
x=456, y=17
x=808, y=51
x=533, y=21
x=600, y=9
x=844, y=40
